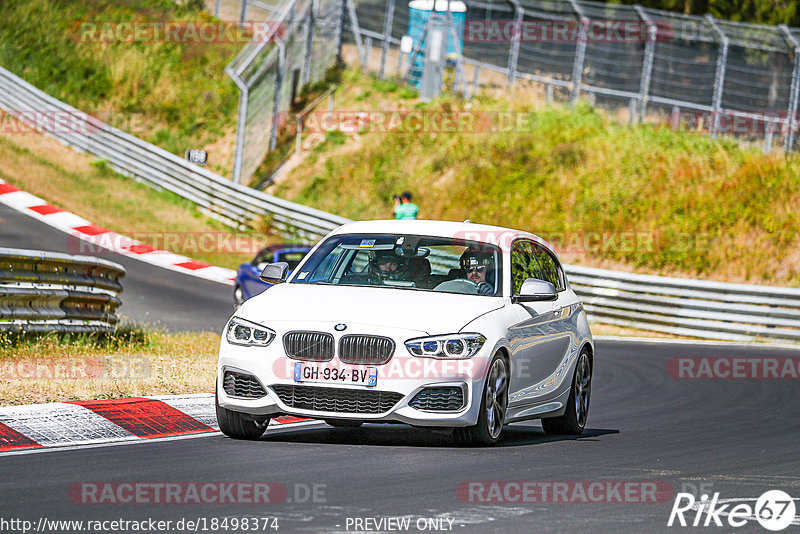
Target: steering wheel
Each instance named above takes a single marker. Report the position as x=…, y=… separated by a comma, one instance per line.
x=484, y=288
x=460, y=285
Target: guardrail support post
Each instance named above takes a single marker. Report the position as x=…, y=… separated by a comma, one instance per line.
x=243, y=12
x=216, y=7
x=580, y=53
x=387, y=37
x=719, y=77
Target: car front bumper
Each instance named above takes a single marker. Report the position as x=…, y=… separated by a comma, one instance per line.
x=403, y=377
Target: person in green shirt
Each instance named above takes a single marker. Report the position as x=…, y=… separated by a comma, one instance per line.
x=404, y=208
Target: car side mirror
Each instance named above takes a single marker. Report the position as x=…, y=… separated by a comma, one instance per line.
x=275, y=273
x=533, y=290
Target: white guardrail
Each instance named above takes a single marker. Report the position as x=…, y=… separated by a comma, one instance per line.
x=711, y=310
x=49, y=292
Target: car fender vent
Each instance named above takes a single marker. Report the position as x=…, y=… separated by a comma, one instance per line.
x=242, y=386
x=439, y=399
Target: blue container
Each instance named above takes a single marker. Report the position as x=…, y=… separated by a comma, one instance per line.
x=419, y=12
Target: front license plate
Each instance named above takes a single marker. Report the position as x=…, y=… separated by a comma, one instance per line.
x=364, y=376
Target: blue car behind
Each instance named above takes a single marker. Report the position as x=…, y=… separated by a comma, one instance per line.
x=248, y=284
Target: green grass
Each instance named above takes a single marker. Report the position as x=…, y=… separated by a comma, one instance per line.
x=139, y=362
x=123, y=335
x=175, y=95
x=685, y=203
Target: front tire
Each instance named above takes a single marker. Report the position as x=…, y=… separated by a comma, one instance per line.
x=494, y=403
x=236, y=426
x=573, y=421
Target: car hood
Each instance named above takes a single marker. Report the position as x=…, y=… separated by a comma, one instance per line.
x=425, y=311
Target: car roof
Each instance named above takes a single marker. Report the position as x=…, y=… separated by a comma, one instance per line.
x=482, y=233
x=286, y=246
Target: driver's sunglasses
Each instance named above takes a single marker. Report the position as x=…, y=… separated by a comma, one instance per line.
x=477, y=269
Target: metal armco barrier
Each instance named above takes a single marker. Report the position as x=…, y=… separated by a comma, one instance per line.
x=46, y=291
x=237, y=205
x=711, y=310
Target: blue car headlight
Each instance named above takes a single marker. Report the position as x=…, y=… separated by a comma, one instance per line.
x=448, y=346
x=247, y=333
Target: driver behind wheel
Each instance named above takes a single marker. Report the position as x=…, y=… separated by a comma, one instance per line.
x=479, y=268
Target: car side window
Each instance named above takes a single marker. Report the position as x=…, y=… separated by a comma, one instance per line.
x=550, y=268
x=265, y=256
x=523, y=265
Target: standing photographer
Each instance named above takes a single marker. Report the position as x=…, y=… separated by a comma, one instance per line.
x=404, y=208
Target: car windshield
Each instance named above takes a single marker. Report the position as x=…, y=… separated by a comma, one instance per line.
x=414, y=262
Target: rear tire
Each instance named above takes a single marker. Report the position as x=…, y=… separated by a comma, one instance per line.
x=235, y=424
x=494, y=404
x=342, y=423
x=573, y=421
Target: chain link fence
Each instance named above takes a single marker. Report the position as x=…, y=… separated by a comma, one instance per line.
x=704, y=74
x=299, y=48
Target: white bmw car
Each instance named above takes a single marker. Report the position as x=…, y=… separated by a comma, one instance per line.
x=435, y=324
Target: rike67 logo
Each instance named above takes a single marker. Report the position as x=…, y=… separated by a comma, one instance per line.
x=774, y=510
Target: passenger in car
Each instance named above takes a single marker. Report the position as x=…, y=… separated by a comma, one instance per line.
x=386, y=265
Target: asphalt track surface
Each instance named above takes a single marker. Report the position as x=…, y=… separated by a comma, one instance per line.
x=735, y=437
x=151, y=295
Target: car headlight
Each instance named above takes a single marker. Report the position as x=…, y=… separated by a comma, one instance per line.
x=449, y=346
x=241, y=332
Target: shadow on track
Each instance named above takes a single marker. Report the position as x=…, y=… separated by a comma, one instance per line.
x=407, y=436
